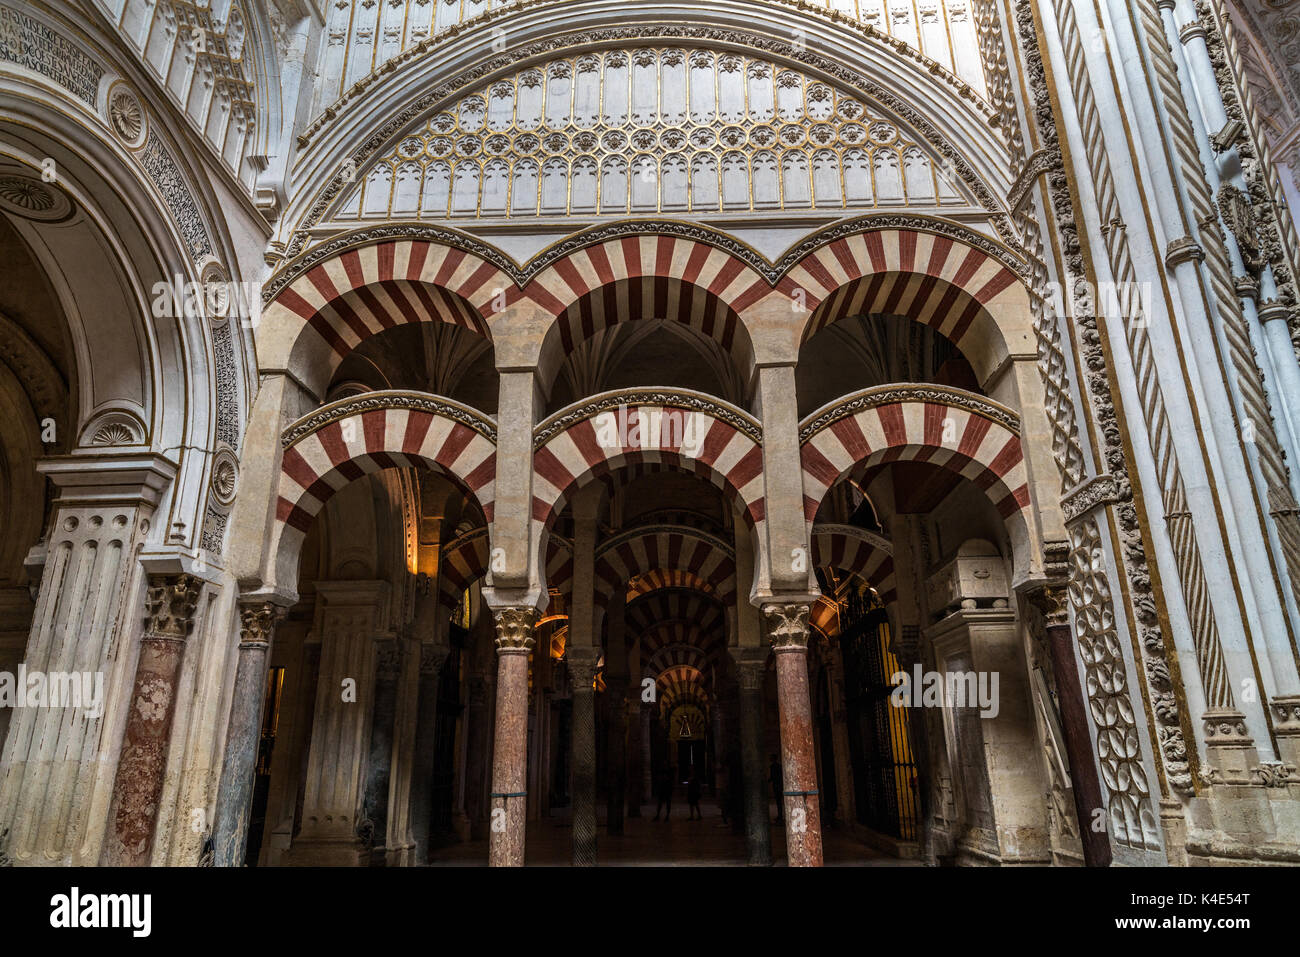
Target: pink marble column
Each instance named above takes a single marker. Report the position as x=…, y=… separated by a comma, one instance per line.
x=787, y=627
x=137, y=788
x=509, y=804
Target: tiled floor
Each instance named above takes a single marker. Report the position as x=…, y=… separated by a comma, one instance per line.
x=677, y=842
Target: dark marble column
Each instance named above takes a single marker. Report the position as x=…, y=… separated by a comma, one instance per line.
x=787, y=627
x=1085, y=783
x=235, y=791
x=137, y=788
x=751, y=664
x=432, y=658
x=632, y=709
x=582, y=672
x=509, y=805
x=379, y=760
x=480, y=694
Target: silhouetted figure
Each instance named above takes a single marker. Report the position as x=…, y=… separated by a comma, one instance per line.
x=664, y=792
x=778, y=791
x=693, y=794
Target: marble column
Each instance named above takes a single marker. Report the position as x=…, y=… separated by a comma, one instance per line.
x=137, y=788
x=751, y=665
x=1084, y=780
x=510, y=751
x=787, y=627
x=244, y=731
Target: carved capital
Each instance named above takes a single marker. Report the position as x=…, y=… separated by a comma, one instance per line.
x=1052, y=600
x=169, y=605
x=787, y=626
x=1285, y=712
x=582, y=668
x=515, y=630
x=432, y=658
x=1184, y=249
x=257, y=623
x=1226, y=728
x=388, y=659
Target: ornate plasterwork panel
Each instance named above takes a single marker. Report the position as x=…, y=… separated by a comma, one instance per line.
x=363, y=35
x=652, y=130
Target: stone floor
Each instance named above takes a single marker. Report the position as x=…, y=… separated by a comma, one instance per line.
x=677, y=842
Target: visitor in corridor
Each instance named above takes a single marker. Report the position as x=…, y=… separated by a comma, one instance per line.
x=664, y=792
x=693, y=794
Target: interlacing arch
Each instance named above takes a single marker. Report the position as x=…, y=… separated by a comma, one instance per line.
x=956, y=430
x=345, y=440
x=857, y=552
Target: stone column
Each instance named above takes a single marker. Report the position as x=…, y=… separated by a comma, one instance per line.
x=647, y=769
x=510, y=751
x=350, y=616
x=399, y=843
x=787, y=627
x=481, y=692
x=379, y=754
x=137, y=788
x=751, y=665
x=582, y=672
x=432, y=659
x=632, y=737
x=238, y=767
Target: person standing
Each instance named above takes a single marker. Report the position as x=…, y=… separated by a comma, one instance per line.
x=693, y=794
x=778, y=791
x=664, y=792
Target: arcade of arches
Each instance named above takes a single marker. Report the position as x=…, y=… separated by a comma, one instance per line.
x=476, y=431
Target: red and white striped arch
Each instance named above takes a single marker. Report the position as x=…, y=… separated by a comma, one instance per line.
x=331, y=308
x=464, y=560
x=679, y=643
x=689, y=261
x=661, y=608
x=349, y=445
x=859, y=553
x=719, y=452
x=651, y=550
x=965, y=293
x=977, y=448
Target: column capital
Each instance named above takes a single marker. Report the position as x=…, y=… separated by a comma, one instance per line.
x=514, y=630
x=257, y=620
x=170, y=603
x=1286, y=715
x=581, y=663
x=432, y=658
x=787, y=625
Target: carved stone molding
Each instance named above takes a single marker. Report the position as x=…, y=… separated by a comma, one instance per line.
x=884, y=395
x=514, y=630
x=1285, y=712
x=125, y=115
x=631, y=398
x=30, y=197
x=1226, y=728
x=1037, y=165
x=170, y=603
x=787, y=626
x=1184, y=249
x=1095, y=492
x=370, y=401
